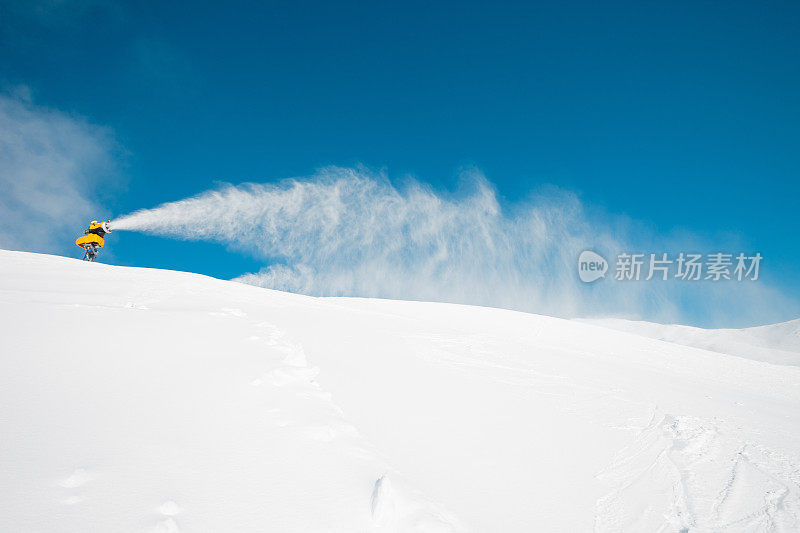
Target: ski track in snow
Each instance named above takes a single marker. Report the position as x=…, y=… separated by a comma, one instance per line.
x=391, y=510
x=703, y=470
x=710, y=480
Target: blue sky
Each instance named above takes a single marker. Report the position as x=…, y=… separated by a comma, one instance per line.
x=683, y=116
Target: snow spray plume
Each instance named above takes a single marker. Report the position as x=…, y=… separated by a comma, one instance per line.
x=348, y=232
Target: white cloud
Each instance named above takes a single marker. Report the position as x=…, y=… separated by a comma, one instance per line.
x=51, y=167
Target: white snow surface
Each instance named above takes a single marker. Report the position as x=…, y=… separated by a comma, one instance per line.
x=774, y=343
x=157, y=401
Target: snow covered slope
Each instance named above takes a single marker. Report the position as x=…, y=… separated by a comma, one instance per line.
x=145, y=400
x=776, y=343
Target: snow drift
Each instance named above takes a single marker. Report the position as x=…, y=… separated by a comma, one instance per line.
x=145, y=400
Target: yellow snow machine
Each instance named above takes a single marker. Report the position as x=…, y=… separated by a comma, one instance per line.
x=92, y=239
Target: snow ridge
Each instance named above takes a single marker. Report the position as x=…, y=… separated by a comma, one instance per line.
x=774, y=343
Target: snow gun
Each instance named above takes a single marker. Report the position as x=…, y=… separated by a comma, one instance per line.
x=92, y=239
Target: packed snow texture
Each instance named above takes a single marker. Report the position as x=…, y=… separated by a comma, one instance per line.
x=147, y=400
x=352, y=232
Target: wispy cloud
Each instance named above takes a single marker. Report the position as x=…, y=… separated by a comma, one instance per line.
x=51, y=167
x=352, y=232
